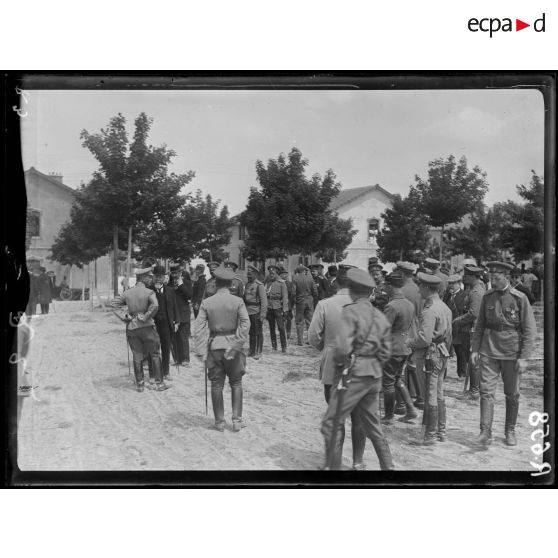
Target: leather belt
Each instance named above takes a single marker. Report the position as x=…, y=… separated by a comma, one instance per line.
x=501, y=327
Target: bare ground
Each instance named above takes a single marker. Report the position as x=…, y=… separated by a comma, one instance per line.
x=88, y=416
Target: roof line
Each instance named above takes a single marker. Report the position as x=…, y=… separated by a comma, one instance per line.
x=50, y=179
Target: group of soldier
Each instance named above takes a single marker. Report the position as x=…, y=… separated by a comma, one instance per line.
x=385, y=329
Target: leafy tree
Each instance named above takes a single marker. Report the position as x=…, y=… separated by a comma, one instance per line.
x=290, y=213
x=31, y=226
x=200, y=228
x=450, y=192
x=336, y=236
x=522, y=233
x=404, y=232
x=131, y=188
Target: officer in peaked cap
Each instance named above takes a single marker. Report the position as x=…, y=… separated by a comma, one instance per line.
x=277, y=307
x=379, y=296
x=518, y=285
x=400, y=313
x=255, y=299
x=210, y=287
x=432, y=343
x=284, y=274
x=433, y=266
x=364, y=335
x=220, y=332
x=503, y=339
x=237, y=285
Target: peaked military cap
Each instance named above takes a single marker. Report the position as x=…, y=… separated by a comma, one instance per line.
x=431, y=263
x=428, y=279
x=499, y=267
x=469, y=261
x=395, y=278
x=455, y=278
x=142, y=270
x=274, y=267
x=213, y=264
x=472, y=270
x=406, y=266
x=253, y=268
x=301, y=269
x=372, y=260
x=175, y=268
x=360, y=278
x=234, y=265
x=224, y=273
x=376, y=266
x=159, y=270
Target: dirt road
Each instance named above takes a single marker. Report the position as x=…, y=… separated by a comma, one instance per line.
x=88, y=415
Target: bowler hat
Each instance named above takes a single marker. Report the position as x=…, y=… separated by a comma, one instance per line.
x=159, y=270
x=332, y=269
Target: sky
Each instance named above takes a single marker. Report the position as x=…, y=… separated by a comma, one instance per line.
x=366, y=137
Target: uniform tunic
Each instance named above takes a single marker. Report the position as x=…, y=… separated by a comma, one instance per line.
x=237, y=287
x=400, y=313
x=255, y=298
x=210, y=288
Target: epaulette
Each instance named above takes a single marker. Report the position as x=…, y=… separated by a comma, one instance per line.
x=348, y=304
x=517, y=293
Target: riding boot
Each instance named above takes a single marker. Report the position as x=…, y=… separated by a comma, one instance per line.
x=283, y=340
x=138, y=373
x=383, y=452
x=487, y=415
x=358, y=438
x=441, y=420
x=259, y=345
x=419, y=401
x=410, y=372
x=512, y=409
x=149, y=368
x=236, y=395
x=430, y=437
x=411, y=413
x=158, y=374
x=218, y=408
x=389, y=407
x=399, y=403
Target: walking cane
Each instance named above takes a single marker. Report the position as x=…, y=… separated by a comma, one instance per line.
x=467, y=376
x=205, y=374
x=127, y=322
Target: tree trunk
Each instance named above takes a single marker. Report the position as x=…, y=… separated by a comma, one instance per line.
x=115, y=259
x=441, y=243
x=401, y=254
x=83, y=283
x=129, y=258
x=90, y=286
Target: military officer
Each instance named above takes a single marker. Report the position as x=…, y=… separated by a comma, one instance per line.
x=198, y=288
x=454, y=298
x=277, y=307
x=414, y=366
x=432, y=340
x=519, y=286
x=331, y=277
x=364, y=335
x=237, y=286
x=219, y=333
x=503, y=339
x=433, y=266
x=210, y=286
x=142, y=336
x=400, y=313
x=255, y=299
x=306, y=294
x=284, y=274
x=379, y=296
x=322, y=335
x=320, y=281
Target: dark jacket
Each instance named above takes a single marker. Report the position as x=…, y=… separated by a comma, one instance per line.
x=456, y=304
x=525, y=290
x=44, y=289
x=183, y=295
x=198, y=290
x=168, y=308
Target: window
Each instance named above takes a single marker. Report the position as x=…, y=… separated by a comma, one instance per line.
x=33, y=222
x=241, y=232
x=373, y=228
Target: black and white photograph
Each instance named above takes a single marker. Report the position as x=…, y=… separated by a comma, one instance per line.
x=342, y=277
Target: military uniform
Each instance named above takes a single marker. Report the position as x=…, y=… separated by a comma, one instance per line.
x=464, y=323
x=291, y=295
x=364, y=333
x=455, y=301
x=306, y=294
x=433, y=266
x=210, y=286
x=277, y=305
x=504, y=333
x=140, y=330
x=255, y=299
x=400, y=313
x=320, y=282
x=237, y=285
x=433, y=340
x=44, y=291
x=220, y=332
x=198, y=289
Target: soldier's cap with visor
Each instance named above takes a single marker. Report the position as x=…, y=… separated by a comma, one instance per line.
x=431, y=263
x=373, y=260
x=234, y=265
x=225, y=274
x=253, y=269
x=273, y=267
x=213, y=265
x=406, y=267
x=428, y=279
x=142, y=270
x=375, y=267
x=281, y=268
x=395, y=278
x=499, y=267
x=343, y=269
x=469, y=261
x=301, y=269
x=359, y=280
x=455, y=278
x=472, y=270
x=159, y=270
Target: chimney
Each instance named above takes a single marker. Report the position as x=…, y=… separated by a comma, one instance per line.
x=56, y=175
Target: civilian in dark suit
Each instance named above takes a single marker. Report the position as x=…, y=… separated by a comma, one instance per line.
x=166, y=319
x=516, y=283
x=455, y=300
x=198, y=288
x=44, y=290
x=183, y=288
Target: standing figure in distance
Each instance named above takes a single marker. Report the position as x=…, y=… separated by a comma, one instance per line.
x=331, y=277
x=198, y=288
x=210, y=286
x=284, y=274
x=320, y=281
x=454, y=298
x=255, y=299
x=277, y=307
x=237, y=286
x=364, y=339
x=519, y=286
x=306, y=294
x=44, y=290
x=140, y=330
x=502, y=342
x=183, y=290
x=220, y=332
